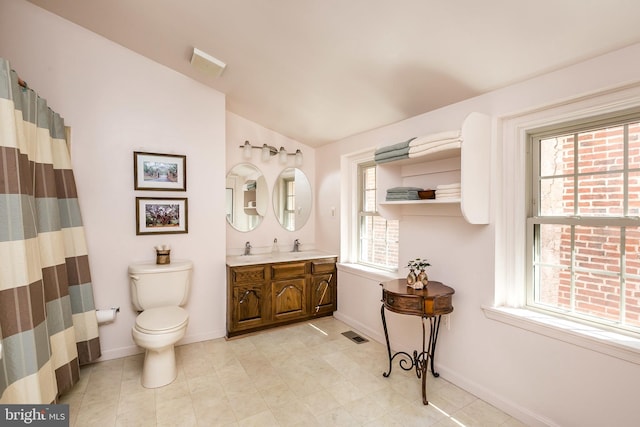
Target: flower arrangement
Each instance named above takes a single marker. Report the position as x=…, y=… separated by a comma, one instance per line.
x=418, y=264
x=420, y=280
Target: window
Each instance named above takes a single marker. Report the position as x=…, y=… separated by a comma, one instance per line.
x=288, y=219
x=377, y=237
x=584, y=222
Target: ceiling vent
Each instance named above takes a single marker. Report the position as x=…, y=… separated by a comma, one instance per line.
x=207, y=63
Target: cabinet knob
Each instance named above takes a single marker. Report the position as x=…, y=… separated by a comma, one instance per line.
x=390, y=300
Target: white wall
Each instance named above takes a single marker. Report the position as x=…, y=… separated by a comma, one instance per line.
x=118, y=102
x=541, y=380
x=240, y=130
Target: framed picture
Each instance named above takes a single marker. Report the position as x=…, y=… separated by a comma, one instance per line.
x=153, y=171
x=161, y=215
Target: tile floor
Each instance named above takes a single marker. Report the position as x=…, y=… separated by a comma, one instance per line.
x=307, y=374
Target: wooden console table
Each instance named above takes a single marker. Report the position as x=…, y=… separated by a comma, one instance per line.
x=430, y=304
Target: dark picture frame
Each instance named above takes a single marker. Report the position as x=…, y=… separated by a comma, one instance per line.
x=159, y=172
x=162, y=215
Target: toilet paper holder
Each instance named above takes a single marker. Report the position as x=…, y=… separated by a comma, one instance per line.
x=107, y=315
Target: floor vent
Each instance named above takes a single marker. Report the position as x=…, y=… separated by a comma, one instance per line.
x=354, y=337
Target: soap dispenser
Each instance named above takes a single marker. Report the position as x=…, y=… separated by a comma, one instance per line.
x=274, y=248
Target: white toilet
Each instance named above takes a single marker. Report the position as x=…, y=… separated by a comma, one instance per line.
x=158, y=292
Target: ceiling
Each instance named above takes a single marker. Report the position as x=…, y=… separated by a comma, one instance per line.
x=321, y=70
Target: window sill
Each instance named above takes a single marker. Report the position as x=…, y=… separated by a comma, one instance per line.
x=367, y=272
x=605, y=342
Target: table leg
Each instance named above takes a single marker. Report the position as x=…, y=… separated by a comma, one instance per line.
x=386, y=337
x=406, y=362
x=433, y=338
x=428, y=352
x=423, y=360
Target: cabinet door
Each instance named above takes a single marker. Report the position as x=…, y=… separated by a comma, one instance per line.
x=289, y=299
x=248, y=306
x=323, y=294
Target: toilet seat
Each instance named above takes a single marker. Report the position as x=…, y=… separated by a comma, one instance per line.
x=162, y=320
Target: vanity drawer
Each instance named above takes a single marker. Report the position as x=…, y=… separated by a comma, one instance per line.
x=253, y=273
x=320, y=266
x=287, y=270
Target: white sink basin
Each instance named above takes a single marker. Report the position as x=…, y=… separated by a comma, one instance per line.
x=250, y=259
x=277, y=257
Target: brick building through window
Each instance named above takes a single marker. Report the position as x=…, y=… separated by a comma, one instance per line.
x=584, y=223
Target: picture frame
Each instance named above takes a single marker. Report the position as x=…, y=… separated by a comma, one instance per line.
x=162, y=215
x=160, y=172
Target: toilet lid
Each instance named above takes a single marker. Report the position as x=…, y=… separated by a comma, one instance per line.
x=161, y=319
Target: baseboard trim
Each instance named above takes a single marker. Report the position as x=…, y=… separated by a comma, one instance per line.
x=523, y=414
x=360, y=327
x=133, y=349
x=506, y=405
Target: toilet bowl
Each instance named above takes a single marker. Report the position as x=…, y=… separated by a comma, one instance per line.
x=158, y=292
x=157, y=330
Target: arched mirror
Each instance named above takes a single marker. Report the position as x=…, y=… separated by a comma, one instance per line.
x=247, y=197
x=292, y=199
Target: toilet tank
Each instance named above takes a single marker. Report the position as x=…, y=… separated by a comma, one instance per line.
x=155, y=285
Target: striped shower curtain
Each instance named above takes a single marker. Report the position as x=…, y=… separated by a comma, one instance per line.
x=47, y=316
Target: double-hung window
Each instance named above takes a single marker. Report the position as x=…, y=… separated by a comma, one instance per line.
x=377, y=237
x=583, y=225
x=289, y=204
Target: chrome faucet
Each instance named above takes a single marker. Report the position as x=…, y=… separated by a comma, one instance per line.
x=296, y=245
x=247, y=248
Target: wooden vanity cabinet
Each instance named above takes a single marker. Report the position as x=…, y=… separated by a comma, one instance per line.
x=323, y=293
x=267, y=295
x=250, y=306
x=289, y=291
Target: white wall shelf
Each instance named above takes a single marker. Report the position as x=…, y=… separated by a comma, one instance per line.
x=469, y=165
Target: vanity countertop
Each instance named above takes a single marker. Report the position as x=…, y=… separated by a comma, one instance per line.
x=266, y=258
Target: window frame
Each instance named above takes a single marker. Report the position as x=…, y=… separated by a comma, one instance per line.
x=535, y=219
x=362, y=213
x=510, y=194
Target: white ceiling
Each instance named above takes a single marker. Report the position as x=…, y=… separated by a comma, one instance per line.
x=321, y=70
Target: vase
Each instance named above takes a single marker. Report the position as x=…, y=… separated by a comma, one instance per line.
x=411, y=278
x=422, y=278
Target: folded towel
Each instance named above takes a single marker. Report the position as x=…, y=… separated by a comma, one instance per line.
x=447, y=196
x=403, y=189
x=393, y=153
x=393, y=147
x=443, y=147
x=434, y=144
x=451, y=191
x=403, y=196
x=450, y=134
x=448, y=186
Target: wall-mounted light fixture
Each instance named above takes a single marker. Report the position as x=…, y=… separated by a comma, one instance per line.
x=269, y=150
